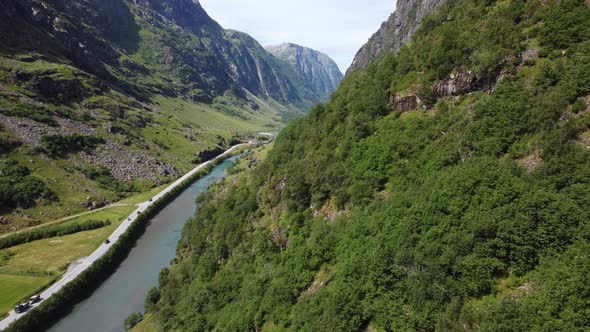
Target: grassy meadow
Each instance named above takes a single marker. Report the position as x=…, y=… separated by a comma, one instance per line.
x=29, y=267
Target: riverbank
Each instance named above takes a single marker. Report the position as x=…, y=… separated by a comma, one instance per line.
x=79, y=282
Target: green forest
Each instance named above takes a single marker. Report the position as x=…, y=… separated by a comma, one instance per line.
x=470, y=213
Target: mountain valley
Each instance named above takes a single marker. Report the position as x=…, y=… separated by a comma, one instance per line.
x=440, y=185
x=145, y=89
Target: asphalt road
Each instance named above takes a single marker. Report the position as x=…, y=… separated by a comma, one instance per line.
x=82, y=264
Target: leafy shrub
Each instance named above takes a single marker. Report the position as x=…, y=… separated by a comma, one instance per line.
x=163, y=277
x=550, y=75
x=151, y=299
x=578, y=106
x=103, y=176
x=60, y=146
x=20, y=189
x=576, y=81
x=132, y=320
x=530, y=62
x=7, y=144
x=426, y=95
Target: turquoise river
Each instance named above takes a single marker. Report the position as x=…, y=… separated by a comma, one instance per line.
x=124, y=292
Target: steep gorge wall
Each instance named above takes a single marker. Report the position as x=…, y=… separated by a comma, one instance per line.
x=396, y=31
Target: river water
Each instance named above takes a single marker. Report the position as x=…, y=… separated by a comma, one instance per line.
x=124, y=292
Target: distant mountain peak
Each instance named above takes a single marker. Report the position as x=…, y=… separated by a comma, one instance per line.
x=317, y=67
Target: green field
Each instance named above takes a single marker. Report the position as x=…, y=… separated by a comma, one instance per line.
x=16, y=287
x=144, y=197
x=45, y=260
x=114, y=214
x=52, y=255
x=253, y=157
x=105, y=213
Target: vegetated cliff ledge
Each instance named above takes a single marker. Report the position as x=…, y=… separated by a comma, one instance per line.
x=396, y=31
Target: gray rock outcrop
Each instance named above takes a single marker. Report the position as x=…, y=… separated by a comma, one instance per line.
x=403, y=104
x=461, y=82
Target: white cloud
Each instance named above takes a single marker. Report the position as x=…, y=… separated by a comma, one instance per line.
x=336, y=27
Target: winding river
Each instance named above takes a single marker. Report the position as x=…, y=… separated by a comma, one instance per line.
x=123, y=292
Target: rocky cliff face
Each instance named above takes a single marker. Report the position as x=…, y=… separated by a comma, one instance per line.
x=239, y=61
x=187, y=14
x=316, y=67
x=262, y=74
x=396, y=31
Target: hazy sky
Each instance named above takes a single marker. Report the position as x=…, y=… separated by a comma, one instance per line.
x=336, y=27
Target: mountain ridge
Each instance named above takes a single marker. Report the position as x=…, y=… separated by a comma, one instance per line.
x=218, y=71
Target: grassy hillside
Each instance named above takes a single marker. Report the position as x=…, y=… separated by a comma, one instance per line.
x=444, y=188
x=98, y=143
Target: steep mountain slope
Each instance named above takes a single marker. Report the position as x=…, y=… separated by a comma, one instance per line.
x=396, y=31
x=318, y=69
x=117, y=96
x=442, y=188
x=174, y=39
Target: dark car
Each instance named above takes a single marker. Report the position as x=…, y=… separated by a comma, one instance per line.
x=35, y=299
x=20, y=308
x=107, y=241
